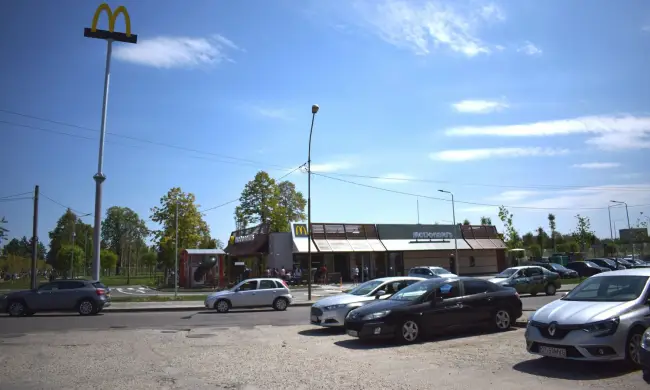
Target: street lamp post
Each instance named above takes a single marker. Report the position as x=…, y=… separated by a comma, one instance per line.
x=314, y=111
x=109, y=36
x=176, y=255
x=611, y=232
x=453, y=213
x=629, y=227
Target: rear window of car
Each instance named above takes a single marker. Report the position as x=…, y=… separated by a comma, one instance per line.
x=71, y=285
x=99, y=285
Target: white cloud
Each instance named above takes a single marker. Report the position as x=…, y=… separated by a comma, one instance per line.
x=513, y=196
x=631, y=175
x=424, y=26
x=458, y=155
x=530, y=49
x=331, y=166
x=479, y=106
x=597, y=165
x=395, y=178
x=177, y=52
x=608, y=132
x=274, y=113
x=593, y=197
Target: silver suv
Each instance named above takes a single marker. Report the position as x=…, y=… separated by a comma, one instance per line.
x=429, y=272
x=603, y=318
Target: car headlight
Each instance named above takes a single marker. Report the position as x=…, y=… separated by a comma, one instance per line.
x=602, y=328
x=645, y=340
x=334, y=307
x=377, y=315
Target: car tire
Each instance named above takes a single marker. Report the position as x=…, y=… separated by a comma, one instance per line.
x=17, y=308
x=222, y=306
x=550, y=289
x=408, y=332
x=633, y=346
x=280, y=304
x=502, y=320
x=87, y=307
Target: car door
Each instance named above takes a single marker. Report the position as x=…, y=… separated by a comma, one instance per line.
x=447, y=308
x=477, y=301
x=245, y=294
x=68, y=295
x=520, y=282
x=42, y=299
x=390, y=288
x=536, y=277
x=267, y=291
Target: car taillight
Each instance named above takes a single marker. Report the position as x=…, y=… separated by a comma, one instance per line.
x=100, y=291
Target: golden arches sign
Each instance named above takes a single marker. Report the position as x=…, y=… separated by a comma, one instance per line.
x=110, y=34
x=300, y=230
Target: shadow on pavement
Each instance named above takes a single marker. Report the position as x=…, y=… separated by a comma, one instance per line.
x=235, y=311
x=357, y=344
x=320, y=332
x=572, y=369
x=48, y=315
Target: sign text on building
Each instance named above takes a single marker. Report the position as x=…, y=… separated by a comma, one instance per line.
x=246, y=238
x=432, y=235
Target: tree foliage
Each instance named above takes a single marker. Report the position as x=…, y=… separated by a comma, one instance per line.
x=541, y=238
x=583, y=234
x=552, y=226
x=62, y=235
x=466, y=222
x=192, y=229
x=23, y=248
x=108, y=259
x=64, y=258
x=486, y=221
x=511, y=236
x=264, y=201
x=4, y=232
x=123, y=230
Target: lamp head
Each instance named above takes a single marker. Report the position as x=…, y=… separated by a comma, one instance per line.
x=314, y=108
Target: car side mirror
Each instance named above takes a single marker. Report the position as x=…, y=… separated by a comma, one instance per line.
x=379, y=293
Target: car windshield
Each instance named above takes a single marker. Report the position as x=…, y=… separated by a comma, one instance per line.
x=621, y=288
x=558, y=267
x=590, y=264
x=507, y=273
x=439, y=271
x=412, y=292
x=365, y=288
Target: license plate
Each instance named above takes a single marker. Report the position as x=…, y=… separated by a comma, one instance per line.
x=314, y=318
x=552, y=352
x=353, y=333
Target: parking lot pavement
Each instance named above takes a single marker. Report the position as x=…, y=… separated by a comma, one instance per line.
x=295, y=357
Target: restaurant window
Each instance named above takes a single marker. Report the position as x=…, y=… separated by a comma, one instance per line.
x=395, y=264
x=318, y=231
x=334, y=231
x=354, y=232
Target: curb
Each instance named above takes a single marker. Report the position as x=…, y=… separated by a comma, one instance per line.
x=173, y=309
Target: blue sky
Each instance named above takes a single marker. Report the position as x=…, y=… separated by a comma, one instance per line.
x=530, y=104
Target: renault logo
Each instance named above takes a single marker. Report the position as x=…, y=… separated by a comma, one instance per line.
x=552, y=328
x=126, y=36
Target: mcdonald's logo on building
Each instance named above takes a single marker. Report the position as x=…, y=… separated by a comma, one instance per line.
x=110, y=34
x=300, y=230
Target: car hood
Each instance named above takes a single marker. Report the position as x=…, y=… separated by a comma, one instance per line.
x=220, y=293
x=580, y=312
x=448, y=275
x=342, y=299
x=381, y=305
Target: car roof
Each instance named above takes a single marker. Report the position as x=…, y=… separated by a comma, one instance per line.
x=398, y=278
x=526, y=266
x=626, y=272
x=429, y=266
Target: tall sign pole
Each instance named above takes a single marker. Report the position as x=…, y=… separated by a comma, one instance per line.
x=34, y=275
x=109, y=36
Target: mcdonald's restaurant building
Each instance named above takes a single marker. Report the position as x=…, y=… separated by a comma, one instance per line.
x=392, y=249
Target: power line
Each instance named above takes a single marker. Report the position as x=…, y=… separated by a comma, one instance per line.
x=14, y=195
x=158, y=143
x=13, y=199
x=61, y=204
x=536, y=187
x=460, y=201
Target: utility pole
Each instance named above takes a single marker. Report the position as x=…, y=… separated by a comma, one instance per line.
x=314, y=111
x=176, y=255
x=74, y=234
x=35, y=239
x=86, y=252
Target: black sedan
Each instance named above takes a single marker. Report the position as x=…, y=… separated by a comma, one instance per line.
x=586, y=268
x=436, y=305
x=564, y=272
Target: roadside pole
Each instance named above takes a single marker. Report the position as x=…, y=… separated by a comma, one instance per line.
x=34, y=281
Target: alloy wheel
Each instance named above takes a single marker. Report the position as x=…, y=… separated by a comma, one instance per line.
x=280, y=304
x=16, y=309
x=550, y=289
x=502, y=320
x=633, y=348
x=410, y=331
x=222, y=306
x=86, y=307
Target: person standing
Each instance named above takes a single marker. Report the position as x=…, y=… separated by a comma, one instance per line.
x=355, y=274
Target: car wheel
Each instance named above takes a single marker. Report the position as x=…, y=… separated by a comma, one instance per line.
x=409, y=332
x=280, y=304
x=633, y=346
x=222, y=306
x=17, y=308
x=550, y=289
x=86, y=307
x=502, y=320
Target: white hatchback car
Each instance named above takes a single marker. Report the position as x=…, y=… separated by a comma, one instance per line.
x=259, y=292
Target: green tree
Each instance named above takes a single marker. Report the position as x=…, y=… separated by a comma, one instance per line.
x=466, y=222
x=486, y=221
x=192, y=229
x=264, y=201
x=4, y=232
x=552, y=226
x=62, y=235
x=211, y=243
x=583, y=234
x=528, y=239
x=64, y=257
x=23, y=248
x=149, y=260
x=541, y=238
x=122, y=231
x=108, y=259
x=511, y=235
x=535, y=250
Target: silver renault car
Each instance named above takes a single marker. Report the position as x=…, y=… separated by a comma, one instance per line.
x=603, y=318
x=331, y=311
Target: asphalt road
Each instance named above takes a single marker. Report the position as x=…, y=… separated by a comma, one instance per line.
x=177, y=320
